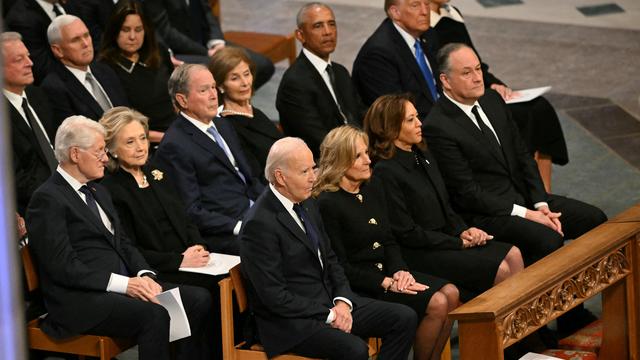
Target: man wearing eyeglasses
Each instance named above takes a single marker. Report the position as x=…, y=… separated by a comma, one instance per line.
x=94, y=281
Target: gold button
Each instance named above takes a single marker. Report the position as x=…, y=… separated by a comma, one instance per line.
x=373, y=221
x=379, y=266
x=376, y=245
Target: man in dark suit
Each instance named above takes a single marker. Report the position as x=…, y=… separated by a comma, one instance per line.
x=397, y=57
x=32, y=128
x=203, y=154
x=191, y=31
x=492, y=178
x=299, y=292
x=93, y=280
x=75, y=84
x=316, y=94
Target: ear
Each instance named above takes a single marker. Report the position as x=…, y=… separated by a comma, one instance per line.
x=393, y=12
x=300, y=36
x=57, y=52
x=444, y=80
x=74, y=155
x=181, y=99
x=280, y=178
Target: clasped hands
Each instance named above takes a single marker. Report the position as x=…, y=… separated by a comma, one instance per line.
x=546, y=217
x=474, y=237
x=143, y=288
x=195, y=256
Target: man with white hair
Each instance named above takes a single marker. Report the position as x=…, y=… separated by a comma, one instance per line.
x=76, y=85
x=93, y=280
x=300, y=294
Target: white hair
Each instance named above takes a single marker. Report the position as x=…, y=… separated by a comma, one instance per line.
x=54, y=31
x=76, y=131
x=279, y=154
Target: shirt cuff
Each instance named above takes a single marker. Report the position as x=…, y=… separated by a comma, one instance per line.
x=143, y=271
x=335, y=300
x=540, y=204
x=118, y=283
x=236, y=229
x=213, y=42
x=330, y=317
x=518, y=210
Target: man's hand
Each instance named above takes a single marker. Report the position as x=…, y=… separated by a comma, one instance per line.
x=553, y=216
x=474, y=237
x=22, y=230
x=195, y=256
x=343, y=320
x=504, y=91
x=539, y=217
x=215, y=49
x=143, y=288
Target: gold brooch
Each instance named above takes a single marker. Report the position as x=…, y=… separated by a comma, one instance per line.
x=373, y=221
x=157, y=174
x=359, y=197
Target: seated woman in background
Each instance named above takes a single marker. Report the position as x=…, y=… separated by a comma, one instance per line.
x=234, y=73
x=355, y=215
x=129, y=46
x=434, y=239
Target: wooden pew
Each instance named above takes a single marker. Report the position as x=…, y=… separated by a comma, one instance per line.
x=603, y=261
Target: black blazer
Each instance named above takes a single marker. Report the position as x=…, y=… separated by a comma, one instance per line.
x=306, y=107
x=420, y=213
x=215, y=196
x=290, y=292
x=386, y=65
x=141, y=224
x=72, y=98
x=75, y=255
x=482, y=179
x=30, y=167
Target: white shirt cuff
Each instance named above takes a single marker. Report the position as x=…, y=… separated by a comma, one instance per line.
x=540, y=204
x=332, y=314
x=143, y=271
x=330, y=317
x=518, y=210
x=118, y=283
x=213, y=42
x=236, y=229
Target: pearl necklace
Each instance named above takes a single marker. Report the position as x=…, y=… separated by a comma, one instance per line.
x=233, y=112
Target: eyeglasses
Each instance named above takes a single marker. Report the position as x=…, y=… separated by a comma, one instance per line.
x=99, y=155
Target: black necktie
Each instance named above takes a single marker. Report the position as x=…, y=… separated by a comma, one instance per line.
x=44, y=144
x=91, y=201
x=488, y=134
x=56, y=10
x=332, y=80
x=312, y=233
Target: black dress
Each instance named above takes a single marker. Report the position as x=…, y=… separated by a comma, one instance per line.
x=360, y=234
x=536, y=119
x=256, y=136
x=146, y=90
x=427, y=228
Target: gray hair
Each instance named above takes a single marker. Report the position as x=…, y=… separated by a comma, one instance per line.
x=179, y=81
x=77, y=131
x=54, y=31
x=444, y=57
x=306, y=7
x=279, y=155
x=10, y=36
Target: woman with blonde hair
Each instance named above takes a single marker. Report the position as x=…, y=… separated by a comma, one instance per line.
x=355, y=215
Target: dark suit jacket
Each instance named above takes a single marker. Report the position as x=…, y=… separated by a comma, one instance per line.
x=213, y=193
x=30, y=167
x=306, y=107
x=420, y=214
x=29, y=19
x=480, y=178
x=141, y=224
x=290, y=292
x=75, y=255
x=180, y=29
x=70, y=97
x=386, y=65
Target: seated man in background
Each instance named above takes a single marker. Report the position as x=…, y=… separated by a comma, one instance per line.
x=202, y=153
x=316, y=94
x=300, y=294
x=93, y=280
x=77, y=85
x=191, y=31
x=32, y=127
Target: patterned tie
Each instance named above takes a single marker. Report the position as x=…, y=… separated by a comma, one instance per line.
x=332, y=79
x=223, y=145
x=98, y=94
x=312, y=233
x=44, y=144
x=426, y=72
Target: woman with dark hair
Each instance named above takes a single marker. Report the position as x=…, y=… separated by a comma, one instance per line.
x=234, y=73
x=354, y=212
x=434, y=239
x=129, y=46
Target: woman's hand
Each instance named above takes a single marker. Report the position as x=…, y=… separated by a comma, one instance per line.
x=405, y=283
x=195, y=256
x=474, y=237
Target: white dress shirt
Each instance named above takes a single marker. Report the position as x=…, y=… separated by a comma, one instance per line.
x=16, y=101
x=321, y=67
x=410, y=40
x=447, y=11
x=82, y=77
x=48, y=8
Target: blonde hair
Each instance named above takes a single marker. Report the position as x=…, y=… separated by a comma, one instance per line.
x=113, y=121
x=337, y=155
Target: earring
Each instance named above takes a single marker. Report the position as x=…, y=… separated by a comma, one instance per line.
x=221, y=91
x=115, y=156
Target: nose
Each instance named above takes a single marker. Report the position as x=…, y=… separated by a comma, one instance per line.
x=418, y=122
x=424, y=8
x=29, y=62
x=367, y=159
x=132, y=35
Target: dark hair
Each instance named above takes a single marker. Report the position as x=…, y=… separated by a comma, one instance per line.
x=444, y=56
x=109, y=50
x=383, y=122
x=224, y=61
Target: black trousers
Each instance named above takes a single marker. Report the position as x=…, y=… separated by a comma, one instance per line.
x=148, y=323
x=394, y=323
x=536, y=240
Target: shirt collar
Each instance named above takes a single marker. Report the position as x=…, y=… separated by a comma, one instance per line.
x=288, y=204
x=316, y=61
x=464, y=107
x=408, y=38
x=75, y=184
x=447, y=11
x=80, y=74
x=14, y=99
x=197, y=123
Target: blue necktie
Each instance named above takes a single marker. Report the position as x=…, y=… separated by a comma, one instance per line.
x=426, y=72
x=223, y=145
x=312, y=233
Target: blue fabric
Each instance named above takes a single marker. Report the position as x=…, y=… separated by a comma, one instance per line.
x=223, y=145
x=426, y=72
x=312, y=233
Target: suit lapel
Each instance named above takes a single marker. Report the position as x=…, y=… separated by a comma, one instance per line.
x=499, y=125
x=205, y=142
x=20, y=126
x=79, y=91
x=316, y=78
